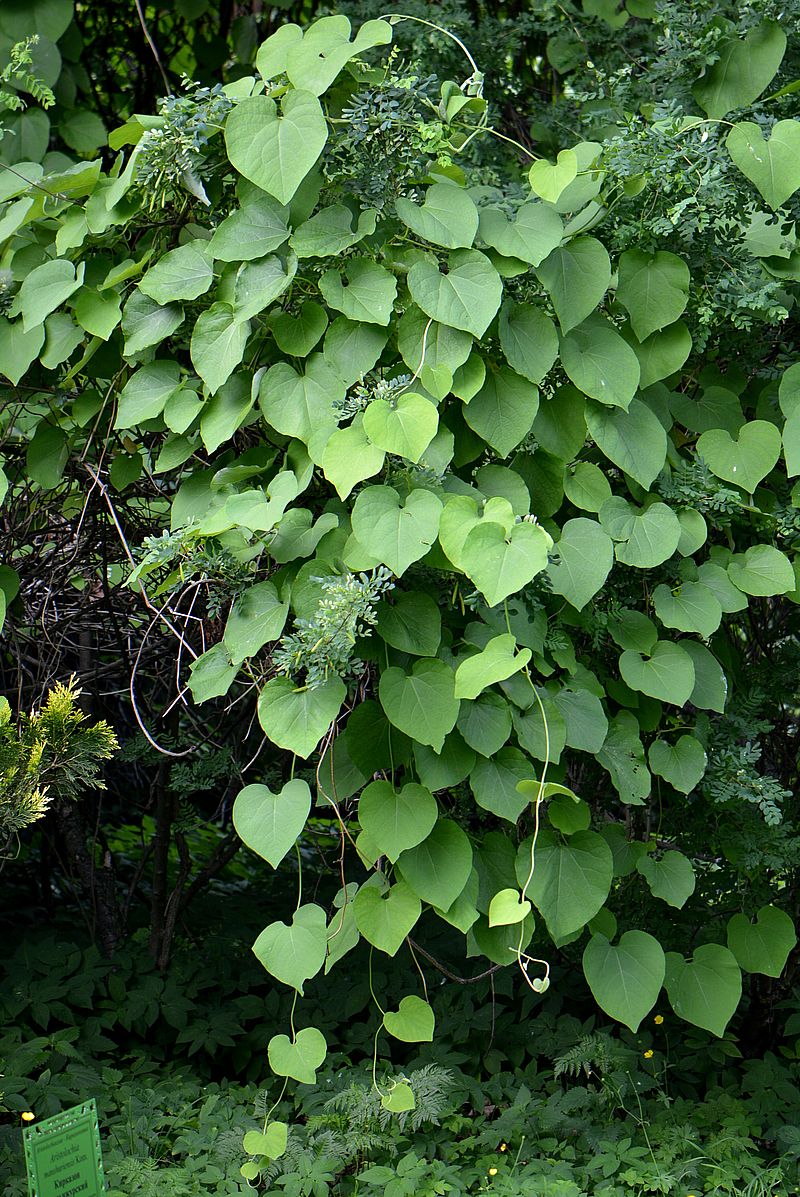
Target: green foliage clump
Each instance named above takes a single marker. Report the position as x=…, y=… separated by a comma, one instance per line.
x=49, y=755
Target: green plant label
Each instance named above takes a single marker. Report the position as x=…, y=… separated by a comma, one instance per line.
x=63, y=1155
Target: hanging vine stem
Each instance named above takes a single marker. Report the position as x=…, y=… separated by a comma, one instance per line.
x=538, y=985
x=395, y=18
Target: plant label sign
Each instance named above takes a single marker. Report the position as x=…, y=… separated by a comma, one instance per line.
x=63, y=1156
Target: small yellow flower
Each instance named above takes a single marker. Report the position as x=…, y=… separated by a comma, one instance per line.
x=493, y=1172
x=28, y=1116
x=659, y=1018
x=648, y=1055
x=504, y=1146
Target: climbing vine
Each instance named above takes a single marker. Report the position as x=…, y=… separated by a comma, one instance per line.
x=475, y=507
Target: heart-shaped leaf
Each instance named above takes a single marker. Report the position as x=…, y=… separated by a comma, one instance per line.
x=493, y=664
x=548, y=180
x=405, y=427
x=386, y=918
x=668, y=673
x=743, y=68
x=274, y=151
x=438, y=869
x=585, y=554
x=528, y=339
x=257, y=617
x=503, y=409
x=349, y=457
x=297, y=953
x=396, y=819
x=494, y=781
x=508, y=907
x=670, y=878
x=691, y=607
x=365, y=294
x=501, y=563
x=396, y=533
x=268, y=823
x=421, y=703
x=634, y=440
x=299, y=1059
x=412, y=1022
x=600, y=363
x=568, y=881
x=576, y=277
x=465, y=294
x=762, y=570
x=448, y=217
x=399, y=1099
x=653, y=289
x=535, y=230
x=270, y=1143
x=743, y=461
x=297, y=717
x=682, y=764
x=706, y=990
x=763, y=946
x=625, y=980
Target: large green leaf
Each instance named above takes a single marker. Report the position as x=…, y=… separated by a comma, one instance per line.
x=396, y=533
x=773, y=165
x=269, y=823
x=704, y=991
x=600, y=363
x=421, y=703
x=386, y=918
x=743, y=68
x=682, y=764
x=763, y=946
x=299, y=1058
x=183, y=273
x=296, y=718
x=576, y=277
x=622, y=755
x=438, y=868
x=330, y=232
x=485, y=725
x=466, y=295
x=411, y=623
x=325, y=49
x=500, y=563
x=218, y=343
x=744, y=460
x=44, y=289
x=294, y=953
x=762, y=570
x=528, y=339
x=18, y=348
x=671, y=877
x=645, y=538
x=634, y=440
x=413, y=1022
x=534, y=231
x=570, y=879
x=366, y=294
x=404, y=426
x=146, y=392
x=257, y=616
x=653, y=289
x=503, y=409
x=585, y=554
x=349, y=457
x=252, y=231
x=667, y=674
x=301, y=405
x=396, y=820
x=690, y=607
x=494, y=663
x=276, y=151
x=625, y=980
x=447, y=217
